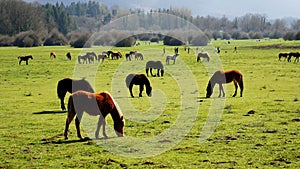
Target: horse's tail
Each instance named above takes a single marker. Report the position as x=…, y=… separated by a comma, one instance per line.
x=128, y=80
x=60, y=89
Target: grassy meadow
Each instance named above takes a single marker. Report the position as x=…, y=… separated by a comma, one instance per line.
x=32, y=124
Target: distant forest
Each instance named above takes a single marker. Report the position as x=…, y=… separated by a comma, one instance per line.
x=32, y=24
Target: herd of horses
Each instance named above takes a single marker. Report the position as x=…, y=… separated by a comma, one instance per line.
x=288, y=56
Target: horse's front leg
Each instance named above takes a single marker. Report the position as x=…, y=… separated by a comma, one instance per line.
x=141, y=90
x=221, y=89
x=104, y=127
x=98, y=128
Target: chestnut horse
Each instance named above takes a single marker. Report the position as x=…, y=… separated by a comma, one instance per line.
x=95, y=104
x=221, y=77
x=141, y=80
x=71, y=85
x=114, y=55
x=52, y=54
x=24, y=58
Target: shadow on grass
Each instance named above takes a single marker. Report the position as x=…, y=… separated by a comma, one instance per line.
x=50, y=112
x=52, y=140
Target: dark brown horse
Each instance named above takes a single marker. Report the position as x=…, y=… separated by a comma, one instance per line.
x=155, y=65
x=203, y=55
x=71, y=85
x=25, y=59
x=95, y=104
x=282, y=55
x=69, y=56
x=222, y=77
x=141, y=80
x=296, y=55
x=114, y=55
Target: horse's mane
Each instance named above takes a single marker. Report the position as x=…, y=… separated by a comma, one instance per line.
x=109, y=99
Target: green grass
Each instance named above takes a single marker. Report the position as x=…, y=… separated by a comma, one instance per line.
x=31, y=121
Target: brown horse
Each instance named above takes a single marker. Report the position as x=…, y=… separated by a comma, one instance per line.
x=296, y=55
x=203, y=55
x=95, y=104
x=282, y=55
x=52, y=54
x=221, y=77
x=114, y=55
x=71, y=85
x=69, y=56
x=141, y=80
x=24, y=58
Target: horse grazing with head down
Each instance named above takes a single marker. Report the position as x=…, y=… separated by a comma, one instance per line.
x=71, y=86
x=69, y=56
x=52, y=54
x=95, y=104
x=283, y=55
x=171, y=57
x=203, y=55
x=25, y=59
x=155, y=65
x=296, y=55
x=141, y=80
x=221, y=77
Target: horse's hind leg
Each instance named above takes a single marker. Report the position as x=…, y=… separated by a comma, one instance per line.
x=236, y=87
x=71, y=115
x=77, y=124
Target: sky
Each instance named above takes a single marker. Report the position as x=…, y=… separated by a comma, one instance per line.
x=273, y=9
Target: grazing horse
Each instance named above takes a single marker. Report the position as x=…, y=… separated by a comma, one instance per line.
x=221, y=77
x=282, y=55
x=71, y=85
x=52, y=54
x=24, y=58
x=114, y=55
x=82, y=57
x=69, y=56
x=171, y=57
x=101, y=57
x=155, y=65
x=95, y=104
x=91, y=56
x=296, y=55
x=138, y=56
x=203, y=55
x=141, y=80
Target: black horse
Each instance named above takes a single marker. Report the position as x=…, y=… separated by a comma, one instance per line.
x=71, y=86
x=155, y=65
x=141, y=80
x=24, y=58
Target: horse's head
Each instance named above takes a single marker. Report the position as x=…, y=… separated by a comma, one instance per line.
x=30, y=56
x=149, y=91
x=209, y=90
x=119, y=127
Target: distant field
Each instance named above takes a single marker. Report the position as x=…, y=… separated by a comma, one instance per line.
x=32, y=123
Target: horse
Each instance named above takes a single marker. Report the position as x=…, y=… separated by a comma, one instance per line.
x=101, y=57
x=24, y=58
x=204, y=55
x=52, y=54
x=128, y=56
x=155, y=65
x=282, y=55
x=296, y=55
x=82, y=57
x=69, y=56
x=114, y=55
x=91, y=56
x=95, y=104
x=171, y=57
x=141, y=80
x=139, y=56
x=71, y=86
x=221, y=77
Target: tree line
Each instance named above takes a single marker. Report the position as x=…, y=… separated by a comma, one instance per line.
x=34, y=24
